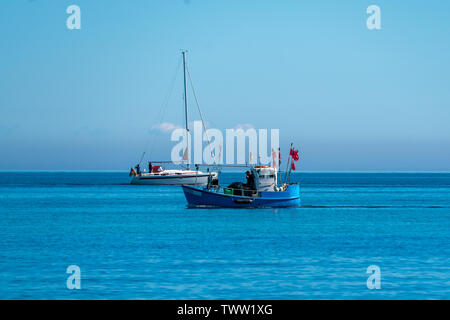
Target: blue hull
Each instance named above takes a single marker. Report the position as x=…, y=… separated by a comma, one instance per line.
x=199, y=196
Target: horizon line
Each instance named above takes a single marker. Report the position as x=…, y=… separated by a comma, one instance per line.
x=308, y=171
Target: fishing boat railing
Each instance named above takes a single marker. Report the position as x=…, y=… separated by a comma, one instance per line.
x=232, y=191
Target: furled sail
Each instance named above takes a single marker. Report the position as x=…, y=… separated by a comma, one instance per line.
x=185, y=155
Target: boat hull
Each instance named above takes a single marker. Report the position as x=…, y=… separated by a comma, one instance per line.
x=200, y=197
x=201, y=179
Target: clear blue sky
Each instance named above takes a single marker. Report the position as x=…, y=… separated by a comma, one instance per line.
x=350, y=98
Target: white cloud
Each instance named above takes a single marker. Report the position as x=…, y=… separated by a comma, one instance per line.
x=165, y=127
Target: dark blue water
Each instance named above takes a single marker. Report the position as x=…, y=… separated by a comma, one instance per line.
x=141, y=242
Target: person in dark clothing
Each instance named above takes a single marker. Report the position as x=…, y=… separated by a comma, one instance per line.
x=249, y=187
x=150, y=167
x=250, y=181
x=138, y=169
x=209, y=181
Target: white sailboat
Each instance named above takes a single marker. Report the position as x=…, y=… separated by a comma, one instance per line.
x=157, y=175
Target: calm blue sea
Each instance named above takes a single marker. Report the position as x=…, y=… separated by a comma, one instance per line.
x=141, y=242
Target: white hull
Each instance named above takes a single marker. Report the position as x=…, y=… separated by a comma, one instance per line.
x=173, y=179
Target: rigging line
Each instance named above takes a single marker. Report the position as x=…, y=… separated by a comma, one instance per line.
x=201, y=117
x=163, y=108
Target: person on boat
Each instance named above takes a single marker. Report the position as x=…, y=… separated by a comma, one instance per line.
x=150, y=167
x=213, y=183
x=208, y=185
x=138, y=169
x=250, y=181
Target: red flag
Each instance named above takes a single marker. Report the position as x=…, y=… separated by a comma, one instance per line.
x=293, y=167
x=294, y=154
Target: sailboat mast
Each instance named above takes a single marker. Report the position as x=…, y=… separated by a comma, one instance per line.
x=185, y=105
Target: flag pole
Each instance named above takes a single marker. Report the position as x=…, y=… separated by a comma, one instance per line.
x=287, y=164
x=279, y=163
x=289, y=175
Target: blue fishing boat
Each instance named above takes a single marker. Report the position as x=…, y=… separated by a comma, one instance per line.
x=260, y=191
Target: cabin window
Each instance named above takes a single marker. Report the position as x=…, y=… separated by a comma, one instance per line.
x=266, y=176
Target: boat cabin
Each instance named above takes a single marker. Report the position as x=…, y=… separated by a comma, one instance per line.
x=265, y=178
